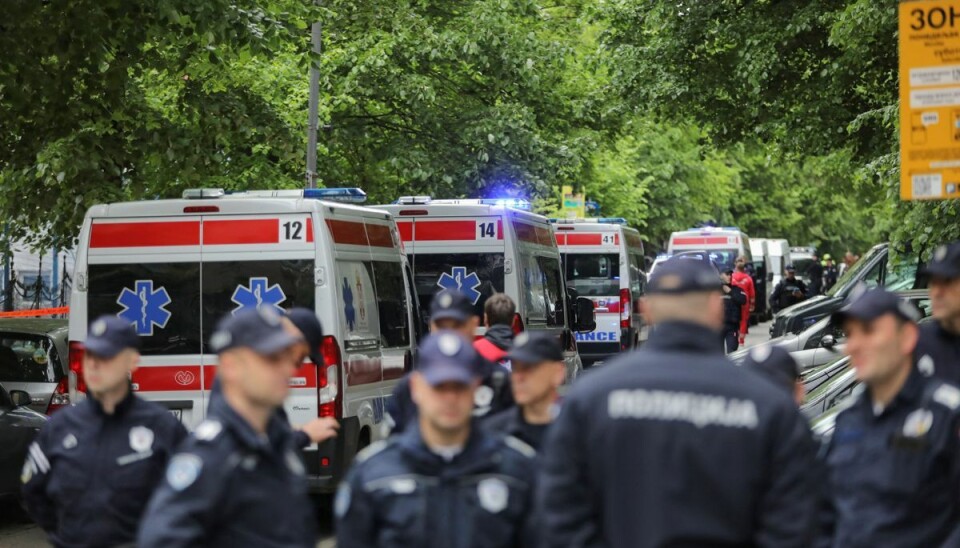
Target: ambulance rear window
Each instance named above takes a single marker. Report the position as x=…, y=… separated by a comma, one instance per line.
x=477, y=275
x=593, y=274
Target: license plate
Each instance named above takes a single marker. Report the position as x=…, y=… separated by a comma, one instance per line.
x=178, y=413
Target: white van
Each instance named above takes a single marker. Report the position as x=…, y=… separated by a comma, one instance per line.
x=762, y=276
x=482, y=247
x=603, y=261
x=779, y=252
x=173, y=268
x=723, y=244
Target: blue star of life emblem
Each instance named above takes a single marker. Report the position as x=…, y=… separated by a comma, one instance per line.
x=459, y=280
x=258, y=294
x=145, y=307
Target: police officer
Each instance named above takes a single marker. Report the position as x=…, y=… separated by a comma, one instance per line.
x=90, y=472
x=672, y=445
x=894, y=456
x=789, y=291
x=777, y=366
x=237, y=480
x=453, y=310
x=444, y=482
x=538, y=373
x=938, y=351
x=814, y=273
x=734, y=299
x=305, y=324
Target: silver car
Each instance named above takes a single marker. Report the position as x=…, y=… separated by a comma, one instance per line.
x=822, y=342
x=33, y=358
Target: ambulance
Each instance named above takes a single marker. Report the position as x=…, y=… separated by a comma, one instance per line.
x=603, y=261
x=481, y=247
x=723, y=244
x=173, y=268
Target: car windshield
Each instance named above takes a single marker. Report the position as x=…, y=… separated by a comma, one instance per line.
x=28, y=358
x=594, y=274
x=802, y=264
x=852, y=274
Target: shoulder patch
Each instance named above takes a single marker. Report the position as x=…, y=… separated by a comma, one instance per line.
x=208, y=430
x=183, y=470
x=948, y=396
x=371, y=450
x=520, y=447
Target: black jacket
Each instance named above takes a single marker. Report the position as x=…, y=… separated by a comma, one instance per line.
x=895, y=478
x=89, y=475
x=228, y=486
x=733, y=306
x=673, y=445
x=938, y=353
x=784, y=294
x=399, y=494
x=512, y=423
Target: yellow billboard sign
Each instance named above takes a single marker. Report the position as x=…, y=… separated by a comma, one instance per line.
x=929, y=99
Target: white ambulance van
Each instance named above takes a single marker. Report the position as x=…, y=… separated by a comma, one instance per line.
x=603, y=261
x=723, y=244
x=173, y=268
x=482, y=247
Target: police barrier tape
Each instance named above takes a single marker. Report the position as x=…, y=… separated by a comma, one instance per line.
x=63, y=310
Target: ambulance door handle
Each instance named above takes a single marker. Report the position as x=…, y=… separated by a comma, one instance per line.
x=320, y=276
x=602, y=309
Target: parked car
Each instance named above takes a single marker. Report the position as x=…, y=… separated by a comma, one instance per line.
x=19, y=425
x=33, y=358
x=823, y=342
x=828, y=395
x=873, y=270
x=818, y=376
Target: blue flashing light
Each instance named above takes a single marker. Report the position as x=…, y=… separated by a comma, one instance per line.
x=612, y=220
x=516, y=203
x=351, y=195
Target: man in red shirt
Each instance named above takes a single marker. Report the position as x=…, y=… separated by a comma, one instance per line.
x=743, y=280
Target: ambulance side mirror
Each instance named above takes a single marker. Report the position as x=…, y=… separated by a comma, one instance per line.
x=586, y=320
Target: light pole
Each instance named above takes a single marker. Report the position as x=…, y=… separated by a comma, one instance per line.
x=314, y=108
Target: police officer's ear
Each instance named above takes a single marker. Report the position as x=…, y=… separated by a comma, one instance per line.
x=558, y=371
x=417, y=383
x=133, y=361
x=647, y=311
x=715, y=309
x=909, y=336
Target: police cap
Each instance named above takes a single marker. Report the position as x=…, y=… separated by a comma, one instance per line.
x=259, y=330
x=445, y=357
x=868, y=305
x=945, y=261
x=109, y=335
x=308, y=324
x=451, y=304
x=680, y=275
x=774, y=363
x=535, y=348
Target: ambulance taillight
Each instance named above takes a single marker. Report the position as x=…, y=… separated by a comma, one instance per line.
x=74, y=379
x=328, y=379
x=626, y=308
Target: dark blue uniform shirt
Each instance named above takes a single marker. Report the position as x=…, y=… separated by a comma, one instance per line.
x=938, y=353
x=89, y=475
x=512, y=423
x=230, y=486
x=895, y=477
x=673, y=445
x=400, y=494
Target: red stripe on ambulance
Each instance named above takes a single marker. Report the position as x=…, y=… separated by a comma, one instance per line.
x=711, y=240
x=146, y=234
x=254, y=231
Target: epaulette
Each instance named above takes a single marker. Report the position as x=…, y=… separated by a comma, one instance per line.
x=372, y=450
x=520, y=447
x=948, y=396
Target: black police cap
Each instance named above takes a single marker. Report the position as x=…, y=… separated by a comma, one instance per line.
x=308, y=324
x=259, y=330
x=451, y=304
x=774, y=363
x=869, y=304
x=109, y=335
x=535, y=348
x=679, y=275
x=945, y=261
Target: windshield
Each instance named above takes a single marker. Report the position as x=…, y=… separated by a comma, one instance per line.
x=593, y=275
x=802, y=265
x=28, y=358
x=853, y=273
x=823, y=389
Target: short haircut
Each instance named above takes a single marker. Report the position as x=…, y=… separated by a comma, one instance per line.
x=499, y=309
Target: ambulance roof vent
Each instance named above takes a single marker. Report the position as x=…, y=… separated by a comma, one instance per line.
x=414, y=200
x=202, y=193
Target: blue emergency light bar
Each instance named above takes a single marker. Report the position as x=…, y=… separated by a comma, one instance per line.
x=612, y=220
x=346, y=194
x=515, y=203
x=602, y=220
x=713, y=228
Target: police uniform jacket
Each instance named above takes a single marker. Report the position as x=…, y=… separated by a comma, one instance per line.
x=894, y=477
x=938, y=353
x=512, y=423
x=673, y=445
x=400, y=494
x=230, y=486
x=89, y=475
